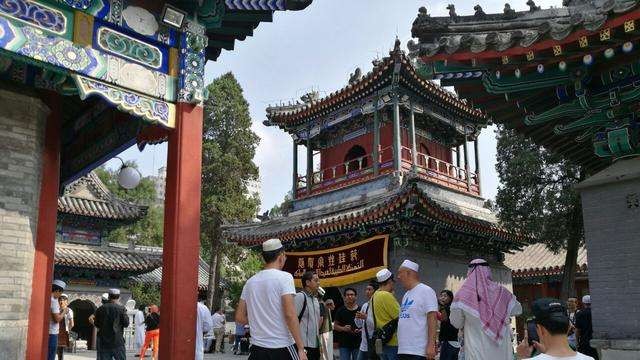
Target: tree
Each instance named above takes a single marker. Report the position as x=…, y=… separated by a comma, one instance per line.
x=150, y=228
x=240, y=265
x=537, y=198
x=283, y=208
x=145, y=294
x=228, y=148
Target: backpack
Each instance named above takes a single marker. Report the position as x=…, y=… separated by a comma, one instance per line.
x=304, y=306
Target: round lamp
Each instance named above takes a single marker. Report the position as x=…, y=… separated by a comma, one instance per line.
x=128, y=177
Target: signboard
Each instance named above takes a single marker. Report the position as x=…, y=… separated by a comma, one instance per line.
x=343, y=265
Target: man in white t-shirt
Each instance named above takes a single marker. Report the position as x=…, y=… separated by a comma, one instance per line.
x=552, y=325
x=267, y=305
x=57, y=315
x=218, y=329
x=418, y=316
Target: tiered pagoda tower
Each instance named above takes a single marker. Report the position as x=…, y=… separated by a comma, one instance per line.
x=394, y=167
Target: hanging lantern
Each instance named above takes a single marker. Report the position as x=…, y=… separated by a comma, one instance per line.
x=627, y=47
x=540, y=68
x=518, y=73
x=562, y=66
x=609, y=53
x=497, y=74
x=587, y=59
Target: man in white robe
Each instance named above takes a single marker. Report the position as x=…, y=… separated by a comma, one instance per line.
x=483, y=308
x=138, y=321
x=203, y=325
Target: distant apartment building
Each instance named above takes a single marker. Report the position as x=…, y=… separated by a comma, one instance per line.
x=160, y=180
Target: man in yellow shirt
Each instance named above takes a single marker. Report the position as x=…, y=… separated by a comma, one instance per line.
x=386, y=309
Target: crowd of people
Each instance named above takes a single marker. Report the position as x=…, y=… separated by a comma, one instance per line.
x=474, y=323
x=111, y=320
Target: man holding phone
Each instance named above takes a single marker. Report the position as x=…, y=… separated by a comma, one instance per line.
x=551, y=325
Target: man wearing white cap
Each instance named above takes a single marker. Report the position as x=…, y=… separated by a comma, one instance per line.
x=384, y=310
x=418, y=315
x=267, y=305
x=584, y=328
x=57, y=287
x=111, y=320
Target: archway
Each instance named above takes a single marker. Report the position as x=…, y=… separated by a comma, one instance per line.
x=82, y=309
x=352, y=159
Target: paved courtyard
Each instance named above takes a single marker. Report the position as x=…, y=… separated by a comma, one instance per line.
x=87, y=354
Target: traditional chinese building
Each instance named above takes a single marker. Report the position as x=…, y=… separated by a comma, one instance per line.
x=89, y=263
x=395, y=181
x=80, y=81
x=568, y=78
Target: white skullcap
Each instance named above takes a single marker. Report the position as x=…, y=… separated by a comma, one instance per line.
x=64, y=296
x=271, y=245
x=586, y=299
x=59, y=283
x=383, y=275
x=410, y=265
x=114, y=291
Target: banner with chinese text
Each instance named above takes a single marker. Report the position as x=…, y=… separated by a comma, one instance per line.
x=343, y=265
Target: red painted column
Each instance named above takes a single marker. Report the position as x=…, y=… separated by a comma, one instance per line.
x=38, y=333
x=181, y=236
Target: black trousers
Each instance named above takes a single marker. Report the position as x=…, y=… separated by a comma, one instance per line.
x=286, y=353
x=410, y=357
x=313, y=353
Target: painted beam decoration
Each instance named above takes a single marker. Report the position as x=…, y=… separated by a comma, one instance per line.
x=342, y=265
x=119, y=52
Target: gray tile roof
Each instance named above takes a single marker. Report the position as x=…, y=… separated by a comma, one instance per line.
x=537, y=259
x=88, y=196
x=112, y=257
x=499, y=32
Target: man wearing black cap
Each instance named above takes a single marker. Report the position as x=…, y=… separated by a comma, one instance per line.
x=111, y=320
x=552, y=325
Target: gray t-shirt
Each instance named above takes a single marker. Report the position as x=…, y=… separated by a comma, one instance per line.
x=310, y=321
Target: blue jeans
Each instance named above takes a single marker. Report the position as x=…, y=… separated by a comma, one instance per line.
x=362, y=355
x=389, y=352
x=349, y=353
x=53, y=346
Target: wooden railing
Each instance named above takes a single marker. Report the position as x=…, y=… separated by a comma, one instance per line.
x=361, y=169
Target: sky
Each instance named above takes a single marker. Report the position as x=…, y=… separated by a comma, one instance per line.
x=317, y=49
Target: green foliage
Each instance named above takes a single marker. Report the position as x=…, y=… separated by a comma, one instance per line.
x=150, y=228
x=283, y=208
x=536, y=196
x=240, y=265
x=145, y=294
x=229, y=146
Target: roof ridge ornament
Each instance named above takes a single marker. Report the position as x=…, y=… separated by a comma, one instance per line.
x=532, y=6
x=452, y=12
x=509, y=13
x=479, y=13
x=355, y=76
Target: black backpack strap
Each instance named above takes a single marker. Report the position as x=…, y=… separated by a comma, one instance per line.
x=304, y=307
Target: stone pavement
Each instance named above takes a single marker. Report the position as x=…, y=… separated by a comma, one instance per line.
x=87, y=354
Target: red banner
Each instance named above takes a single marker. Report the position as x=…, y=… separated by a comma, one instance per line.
x=343, y=265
